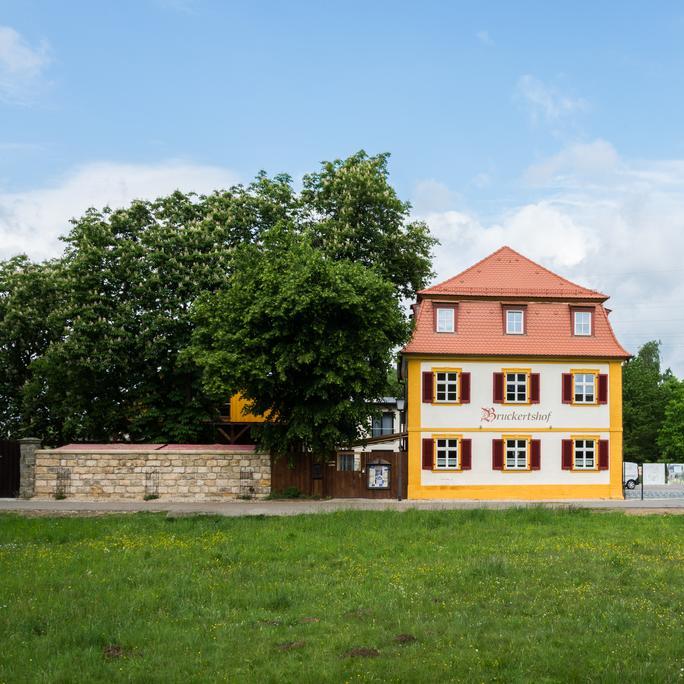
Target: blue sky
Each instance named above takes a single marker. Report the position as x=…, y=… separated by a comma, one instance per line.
x=555, y=129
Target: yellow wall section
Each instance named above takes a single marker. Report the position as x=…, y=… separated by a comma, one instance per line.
x=615, y=399
x=237, y=405
x=512, y=492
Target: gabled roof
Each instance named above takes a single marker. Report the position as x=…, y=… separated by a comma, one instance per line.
x=506, y=273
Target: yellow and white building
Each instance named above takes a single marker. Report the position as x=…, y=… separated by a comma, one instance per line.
x=514, y=380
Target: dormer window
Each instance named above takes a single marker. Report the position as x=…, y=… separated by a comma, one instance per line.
x=445, y=319
x=515, y=321
x=582, y=323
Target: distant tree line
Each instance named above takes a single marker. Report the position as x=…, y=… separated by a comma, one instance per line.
x=159, y=311
x=653, y=409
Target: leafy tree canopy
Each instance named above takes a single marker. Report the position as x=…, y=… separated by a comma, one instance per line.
x=93, y=345
x=671, y=433
x=647, y=391
x=306, y=339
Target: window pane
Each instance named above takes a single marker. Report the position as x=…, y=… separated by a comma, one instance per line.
x=582, y=323
x=445, y=320
x=514, y=322
x=446, y=386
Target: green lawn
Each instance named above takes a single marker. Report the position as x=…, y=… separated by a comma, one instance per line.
x=518, y=596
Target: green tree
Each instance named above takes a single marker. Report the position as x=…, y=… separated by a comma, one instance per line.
x=353, y=213
x=129, y=278
x=29, y=294
x=105, y=328
x=646, y=392
x=305, y=338
x=671, y=434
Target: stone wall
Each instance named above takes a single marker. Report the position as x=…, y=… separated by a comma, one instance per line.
x=171, y=472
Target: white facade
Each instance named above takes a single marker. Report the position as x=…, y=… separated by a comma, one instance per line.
x=481, y=420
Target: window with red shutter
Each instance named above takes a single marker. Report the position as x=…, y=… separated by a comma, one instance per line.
x=603, y=459
x=428, y=451
x=566, y=458
x=602, y=388
x=498, y=380
x=584, y=454
x=465, y=388
x=567, y=388
x=534, y=388
x=428, y=380
x=466, y=454
x=497, y=454
x=535, y=454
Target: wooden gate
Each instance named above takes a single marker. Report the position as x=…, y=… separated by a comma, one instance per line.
x=325, y=479
x=10, y=456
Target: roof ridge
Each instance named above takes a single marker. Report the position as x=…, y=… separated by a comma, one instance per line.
x=506, y=249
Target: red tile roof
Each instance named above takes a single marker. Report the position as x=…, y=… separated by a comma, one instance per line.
x=548, y=300
x=132, y=447
x=505, y=273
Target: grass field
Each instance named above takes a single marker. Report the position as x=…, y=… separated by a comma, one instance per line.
x=518, y=596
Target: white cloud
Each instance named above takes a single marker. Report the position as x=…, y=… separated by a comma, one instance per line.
x=485, y=38
x=621, y=232
x=21, y=66
x=32, y=221
x=584, y=160
x=545, y=102
x=430, y=195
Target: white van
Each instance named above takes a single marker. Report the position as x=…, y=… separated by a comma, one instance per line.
x=630, y=474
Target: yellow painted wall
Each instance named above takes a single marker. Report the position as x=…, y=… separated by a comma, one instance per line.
x=237, y=405
x=416, y=490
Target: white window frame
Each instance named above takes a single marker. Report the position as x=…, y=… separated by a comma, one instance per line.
x=517, y=383
x=520, y=446
x=581, y=326
x=580, y=386
x=450, y=383
x=448, y=325
x=581, y=450
x=512, y=323
x=451, y=450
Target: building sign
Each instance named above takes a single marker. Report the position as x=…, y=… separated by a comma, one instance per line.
x=378, y=476
x=492, y=415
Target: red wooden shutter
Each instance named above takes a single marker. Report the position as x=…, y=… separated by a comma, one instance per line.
x=428, y=453
x=497, y=454
x=566, y=463
x=464, y=379
x=603, y=454
x=535, y=454
x=498, y=388
x=567, y=388
x=603, y=389
x=534, y=388
x=466, y=454
x=428, y=379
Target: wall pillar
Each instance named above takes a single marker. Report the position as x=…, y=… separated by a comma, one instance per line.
x=27, y=466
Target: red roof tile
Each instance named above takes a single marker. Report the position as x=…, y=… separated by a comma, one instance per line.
x=131, y=447
x=480, y=332
x=505, y=273
x=480, y=323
